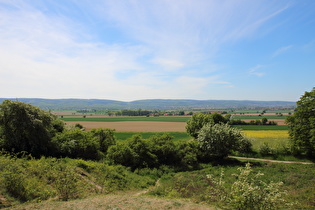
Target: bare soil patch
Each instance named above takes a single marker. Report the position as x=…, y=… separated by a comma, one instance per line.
x=137, y=126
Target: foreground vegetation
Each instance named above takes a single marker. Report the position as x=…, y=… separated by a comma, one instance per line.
x=213, y=184
x=41, y=159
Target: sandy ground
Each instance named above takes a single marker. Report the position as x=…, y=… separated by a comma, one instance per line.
x=137, y=126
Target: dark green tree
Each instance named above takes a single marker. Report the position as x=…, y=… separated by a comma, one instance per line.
x=197, y=121
x=264, y=120
x=76, y=143
x=164, y=148
x=27, y=128
x=105, y=137
x=302, y=125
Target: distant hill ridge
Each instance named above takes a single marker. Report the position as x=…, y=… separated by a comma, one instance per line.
x=74, y=104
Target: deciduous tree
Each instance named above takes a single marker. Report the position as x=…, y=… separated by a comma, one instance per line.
x=27, y=128
x=219, y=140
x=302, y=125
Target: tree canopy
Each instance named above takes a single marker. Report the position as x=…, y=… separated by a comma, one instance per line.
x=302, y=125
x=219, y=140
x=197, y=121
x=27, y=128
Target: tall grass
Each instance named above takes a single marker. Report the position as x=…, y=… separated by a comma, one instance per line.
x=28, y=179
x=297, y=180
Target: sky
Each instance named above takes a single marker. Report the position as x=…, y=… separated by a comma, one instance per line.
x=157, y=49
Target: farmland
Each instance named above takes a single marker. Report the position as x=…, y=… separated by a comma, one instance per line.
x=120, y=119
x=160, y=123
x=137, y=156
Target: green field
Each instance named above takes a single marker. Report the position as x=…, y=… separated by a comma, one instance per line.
x=261, y=127
x=254, y=117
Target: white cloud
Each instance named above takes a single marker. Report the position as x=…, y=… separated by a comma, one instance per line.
x=254, y=71
x=281, y=50
x=53, y=55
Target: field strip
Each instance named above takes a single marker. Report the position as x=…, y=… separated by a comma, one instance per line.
x=135, y=126
x=278, y=121
x=272, y=161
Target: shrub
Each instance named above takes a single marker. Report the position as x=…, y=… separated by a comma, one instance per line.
x=121, y=154
x=187, y=155
x=249, y=192
x=163, y=147
x=266, y=150
x=197, y=121
x=17, y=180
x=24, y=127
x=66, y=182
x=76, y=143
x=105, y=138
x=219, y=140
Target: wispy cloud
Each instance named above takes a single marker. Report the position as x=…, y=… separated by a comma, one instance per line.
x=254, y=71
x=79, y=48
x=281, y=50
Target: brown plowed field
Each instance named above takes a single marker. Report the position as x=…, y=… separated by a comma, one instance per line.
x=138, y=126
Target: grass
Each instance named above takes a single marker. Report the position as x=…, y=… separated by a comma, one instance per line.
x=120, y=200
x=298, y=182
x=180, y=190
x=119, y=119
x=275, y=139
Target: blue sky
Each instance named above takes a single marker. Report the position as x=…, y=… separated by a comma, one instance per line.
x=148, y=49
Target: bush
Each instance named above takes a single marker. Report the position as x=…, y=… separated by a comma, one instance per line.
x=187, y=155
x=121, y=154
x=105, y=138
x=266, y=150
x=19, y=181
x=249, y=192
x=77, y=143
x=163, y=147
x=219, y=140
x=141, y=153
x=24, y=127
x=197, y=121
x=66, y=182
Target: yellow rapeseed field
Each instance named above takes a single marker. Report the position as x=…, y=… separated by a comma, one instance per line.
x=266, y=133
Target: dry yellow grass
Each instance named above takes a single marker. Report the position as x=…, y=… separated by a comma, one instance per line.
x=120, y=200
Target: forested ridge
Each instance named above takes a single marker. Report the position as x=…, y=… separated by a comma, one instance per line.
x=74, y=104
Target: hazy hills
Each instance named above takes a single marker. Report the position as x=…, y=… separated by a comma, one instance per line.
x=75, y=104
